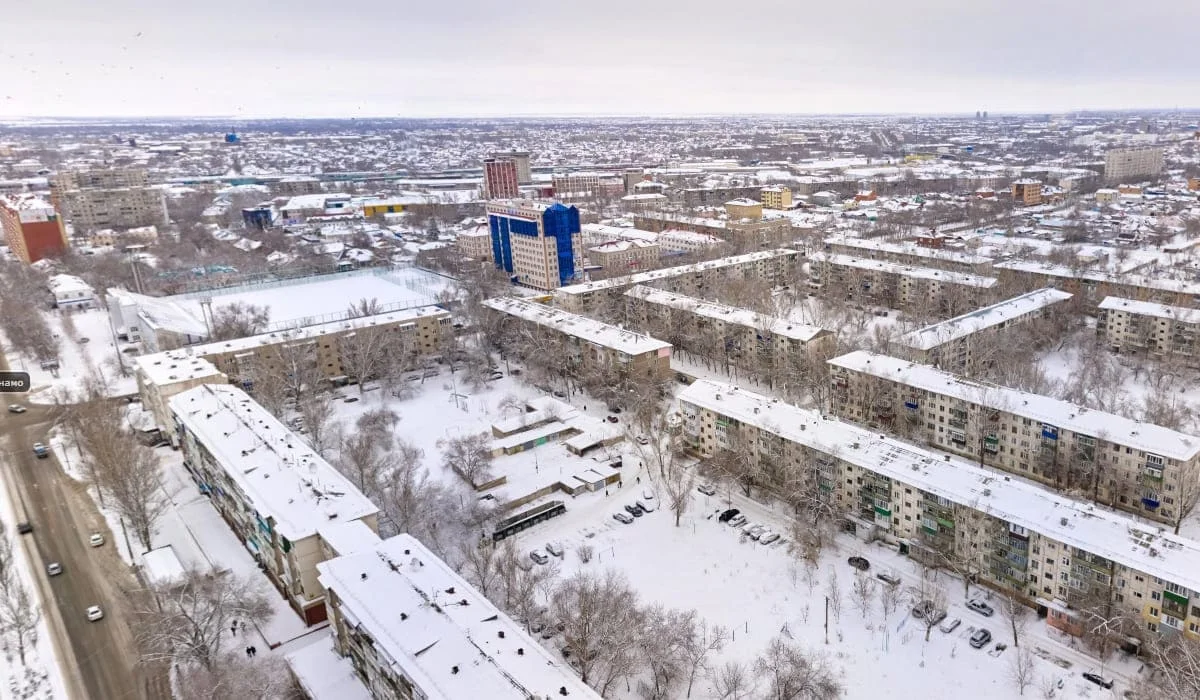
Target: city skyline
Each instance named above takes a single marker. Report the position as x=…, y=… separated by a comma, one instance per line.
x=933, y=57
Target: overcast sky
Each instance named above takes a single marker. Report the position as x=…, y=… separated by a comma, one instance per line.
x=405, y=58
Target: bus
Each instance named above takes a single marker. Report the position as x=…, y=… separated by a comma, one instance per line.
x=522, y=521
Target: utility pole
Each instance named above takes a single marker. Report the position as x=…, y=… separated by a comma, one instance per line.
x=826, y=619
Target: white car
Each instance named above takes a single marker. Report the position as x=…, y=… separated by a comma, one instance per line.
x=94, y=613
x=53, y=568
x=647, y=506
x=96, y=539
x=555, y=549
x=643, y=440
x=768, y=538
x=16, y=408
x=706, y=489
x=760, y=534
x=538, y=557
x=737, y=520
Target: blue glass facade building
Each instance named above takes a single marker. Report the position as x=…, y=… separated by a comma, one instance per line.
x=555, y=221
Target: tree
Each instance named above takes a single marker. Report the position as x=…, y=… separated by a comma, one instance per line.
x=239, y=320
x=662, y=644
x=793, y=673
x=1176, y=659
x=364, y=353
x=19, y=613
x=135, y=489
x=833, y=594
x=732, y=681
x=364, y=307
x=235, y=676
x=480, y=564
x=1017, y=616
x=864, y=592
x=318, y=422
x=1020, y=669
x=523, y=582
x=930, y=598
x=470, y=457
x=599, y=616
x=700, y=641
x=188, y=623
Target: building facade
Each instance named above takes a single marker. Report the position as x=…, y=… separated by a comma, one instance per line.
x=744, y=209
x=500, y=179
x=1126, y=464
x=475, y=244
x=910, y=253
x=898, y=286
x=1060, y=555
x=521, y=160
x=622, y=258
x=1027, y=192
x=539, y=245
x=776, y=197
x=591, y=344
x=1161, y=331
x=1125, y=163
x=70, y=292
x=33, y=230
x=269, y=487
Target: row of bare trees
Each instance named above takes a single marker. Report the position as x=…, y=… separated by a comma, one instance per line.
x=21, y=318
x=19, y=611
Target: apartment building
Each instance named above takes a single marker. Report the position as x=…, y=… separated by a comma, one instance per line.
x=1093, y=286
x=1126, y=163
x=500, y=179
x=967, y=343
x=668, y=242
x=269, y=487
x=909, y=253
x=110, y=198
x=1027, y=192
x=293, y=185
x=742, y=338
x=163, y=375
x=408, y=335
x=1126, y=464
x=582, y=184
x=622, y=257
x=776, y=197
x=777, y=267
x=99, y=178
x=744, y=208
x=33, y=230
x=750, y=234
x=1135, y=327
x=538, y=244
x=1056, y=553
x=589, y=342
x=475, y=244
x=414, y=628
x=1107, y=196
x=643, y=202
x=716, y=196
x=899, y=286
x=521, y=160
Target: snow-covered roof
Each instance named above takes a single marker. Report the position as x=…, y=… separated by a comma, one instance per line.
x=1145, y=548
x=582, y=327
x=728, y=314
x=348, y=537
x=67, y=284
x=652, y=196
x=273, y=467
x=162, y=567
x=744, y=202
x=1116, y=429
x=1147, y=308
x=668, y=272
x=682, y=219
x=908, y=248
x=937, y=334
x=947, y=276
x=163, y=368
x=623, y=245
x=435, y=628
x=1062, y=271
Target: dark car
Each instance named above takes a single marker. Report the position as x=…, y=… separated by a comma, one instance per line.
x=634, y=511
x=1098, y=680
x=980, y=607
x=724, y=517
x=980, y=639
x=859, y=563
x=24, y=528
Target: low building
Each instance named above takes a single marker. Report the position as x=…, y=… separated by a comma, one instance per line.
x=1058, y=554
x=475, y=244
x=647, y=201
x=269, y=487
x=1136, y=327
x=744, y=208
x=591, y=343
x=414, y=628
x=969, y=342
x=70, y=292
x=1126, y=464
x=755, y=233
x=1107, y=196
x=715, y=196
x=1193, y=184
x=301, y=208
x=669, y=242
x=391, y=205
x=732, y=336
x=1027, y=192
x=899, y=286
x=776, y=197
x=622, y=257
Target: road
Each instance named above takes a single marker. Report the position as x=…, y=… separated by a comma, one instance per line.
x=100, y=660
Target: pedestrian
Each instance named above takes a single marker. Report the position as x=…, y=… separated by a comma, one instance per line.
x=253, y=651
x=233, y=629
x=605, y=492
x=620, y=484
x=639, y=479
x=248, y=652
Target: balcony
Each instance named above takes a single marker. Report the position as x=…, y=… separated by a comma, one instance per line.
x=1151, y=502
x=991, y=443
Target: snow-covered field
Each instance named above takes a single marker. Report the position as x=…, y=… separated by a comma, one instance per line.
x=97, y=356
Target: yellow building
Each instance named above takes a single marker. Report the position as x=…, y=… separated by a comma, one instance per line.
x=379, y=207
x=1027, y=192
x=776, y=197
x=744, y=208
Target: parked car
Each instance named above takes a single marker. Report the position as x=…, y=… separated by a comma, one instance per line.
x=94, y=613
x=24, y=528
x=40, y=450
x=539, y=557
x=737, y=520
x=926, y=611
x=755, y=531
x=981, y=638
x=980, y=607
x=633, y=510
x=643, y=440
x=648, y=495
x=950, y=625
x=758, y=537
x=647, y=507
x=96, y=539
x=706, y=489
x=889, y=579
x=859, y=563
x=555, y=549
x=1098, y=680
x=16, y=408
x=53, y=568
x=726, y=515
x=768, y=538
x=622, y=517
x=612, y=419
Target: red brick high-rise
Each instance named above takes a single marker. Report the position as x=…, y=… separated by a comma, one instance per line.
x=32, y=227
x=500, y=179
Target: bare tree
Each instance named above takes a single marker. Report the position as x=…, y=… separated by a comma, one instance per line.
x=1021, y=668
x=481, y=564
x=833, y=593
x=864, y=593
x=470, y=457
x=599, y=617
x=523, y=582
x=364, y=307
x=662, y=643
x=930, y=599
x=1176, y=660
x=235, y=676
x=318, y=423
x=19, y=613
x=239, y=320
x=364, y=353
x=136, y=491
x=187, y=623
x=732, y=681
x=1017, y=616
x=793, y=673
x=702, y=640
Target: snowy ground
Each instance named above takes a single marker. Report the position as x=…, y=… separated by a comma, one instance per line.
x=79, y=359
x=758, y=592
x=41, y=677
